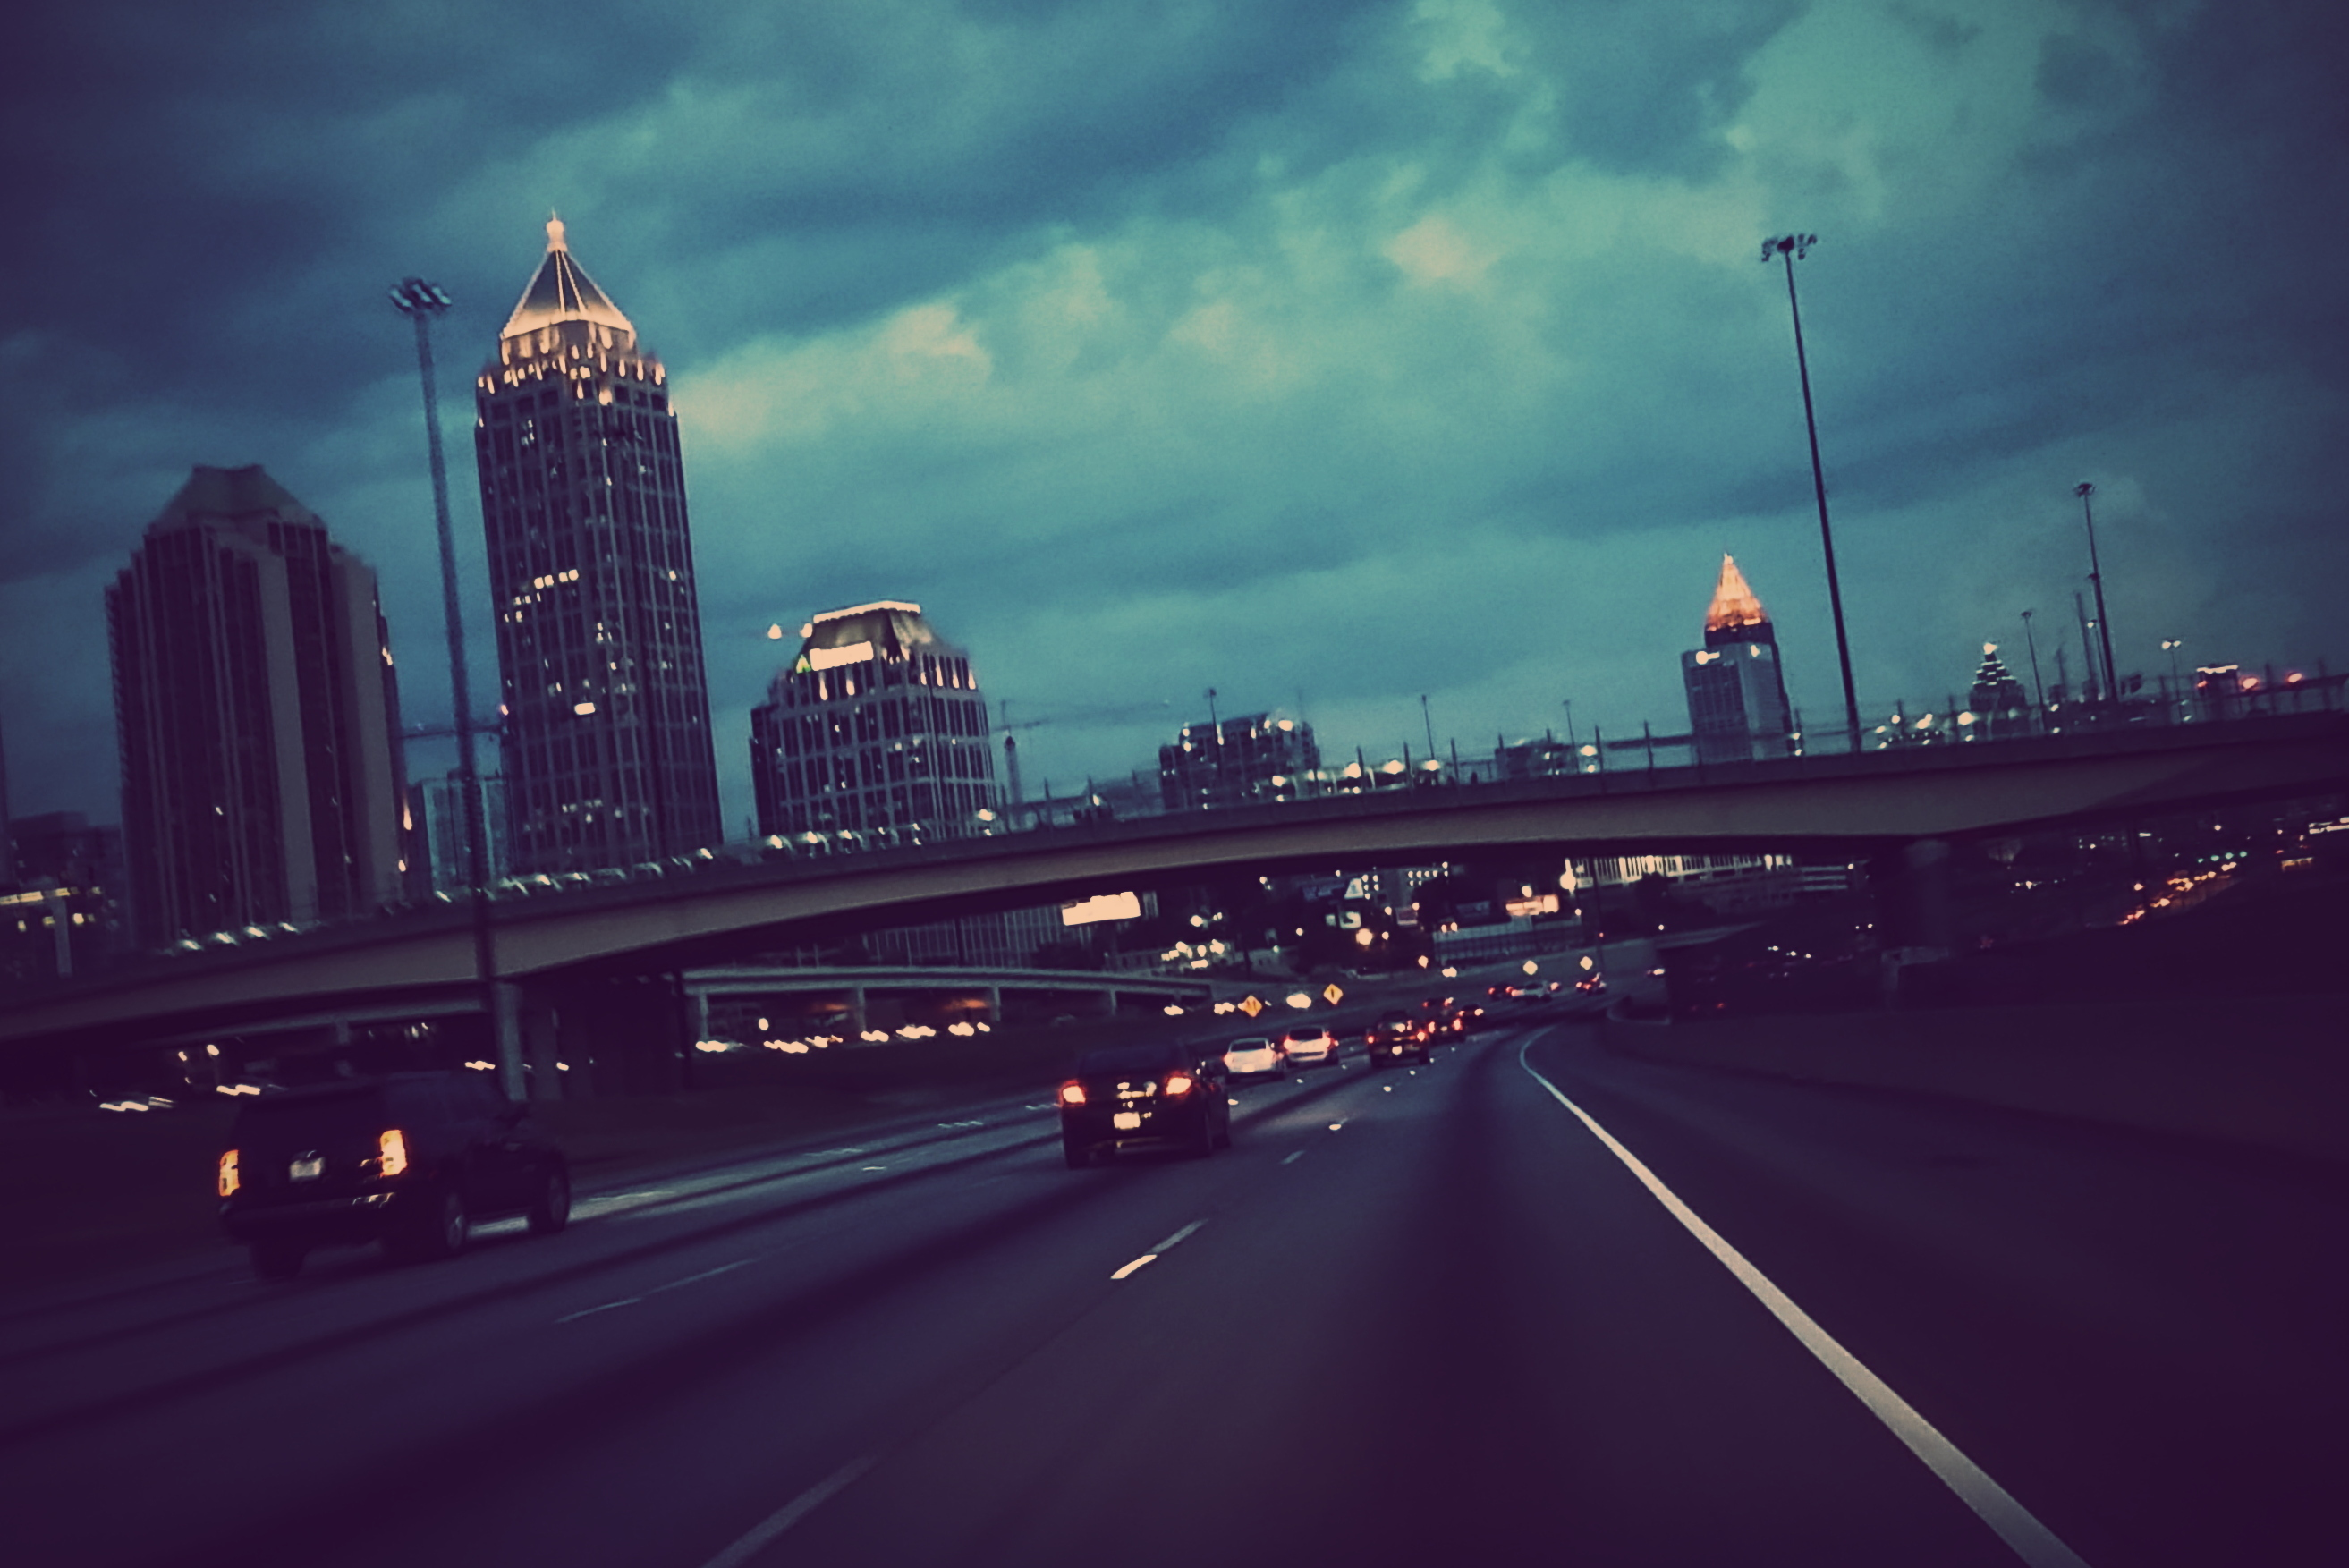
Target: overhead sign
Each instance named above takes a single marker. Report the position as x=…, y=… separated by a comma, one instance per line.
x=1107, y=906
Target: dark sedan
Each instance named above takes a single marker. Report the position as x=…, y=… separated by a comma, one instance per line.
x=1162, y=1096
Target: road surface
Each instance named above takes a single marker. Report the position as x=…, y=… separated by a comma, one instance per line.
x=1412, y=1317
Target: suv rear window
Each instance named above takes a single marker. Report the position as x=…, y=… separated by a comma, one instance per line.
x=357, y=1112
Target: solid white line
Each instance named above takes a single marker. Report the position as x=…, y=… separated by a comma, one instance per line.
x=790, y=1513
x=2014, y=1524
x=1145, y=1258
x=607, y=1307
x=1171, y=1243
x=1294, y=1158
x=706, y=1273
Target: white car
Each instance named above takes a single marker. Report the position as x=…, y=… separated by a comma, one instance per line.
x=1254, y=1057
x=1308, y=1047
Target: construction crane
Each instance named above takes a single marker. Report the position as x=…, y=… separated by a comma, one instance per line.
x=1070, y=715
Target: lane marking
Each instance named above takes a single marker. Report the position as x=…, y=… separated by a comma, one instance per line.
x=1294, y=1158
x=877, y=1168
x=1171, y=1243
x=2014, y=1524
x=1145, y=1258
x=706, y=1273
x=1336, y=1125
x=607, y=1307
x=790, y=1513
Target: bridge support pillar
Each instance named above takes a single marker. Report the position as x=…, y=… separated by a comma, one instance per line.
x=1913, y=917
x=505, y=1035
x=994, y=1004
x=620, y=1034
x=856, y=1024
x=538, y=1025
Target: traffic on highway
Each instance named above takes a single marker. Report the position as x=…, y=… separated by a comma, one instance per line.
x=1510, y=1299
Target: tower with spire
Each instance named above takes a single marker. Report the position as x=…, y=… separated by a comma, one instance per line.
x=607, y=746
x=1736, y=694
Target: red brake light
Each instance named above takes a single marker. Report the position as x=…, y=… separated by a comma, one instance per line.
x=228, y=1182
x=1073, y=1093
x=1177, y=1084
x=394, y=1158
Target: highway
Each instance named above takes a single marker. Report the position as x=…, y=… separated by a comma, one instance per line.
x=1422, y=1317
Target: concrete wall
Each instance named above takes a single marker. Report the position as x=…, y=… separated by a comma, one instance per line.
x=2273, y=1072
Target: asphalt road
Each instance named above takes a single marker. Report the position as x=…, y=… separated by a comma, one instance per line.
x=1425, y=1317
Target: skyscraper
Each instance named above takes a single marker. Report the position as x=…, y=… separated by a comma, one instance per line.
x=605, y=747
x=878, y=723
x=1235, y=762
x=1736, y=696
x=258, y=715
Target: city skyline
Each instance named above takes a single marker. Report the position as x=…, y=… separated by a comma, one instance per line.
x=1418, y=320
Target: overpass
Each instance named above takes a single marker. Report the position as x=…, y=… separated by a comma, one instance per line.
x=631, y=936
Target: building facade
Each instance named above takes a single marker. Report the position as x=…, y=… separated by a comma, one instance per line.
x=606, y=745
x=258, y=717
x=1237, y=762
x=1736, y=696
x=440, y=831
x=878, y=723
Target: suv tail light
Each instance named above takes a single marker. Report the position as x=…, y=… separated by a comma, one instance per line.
x=1073, y=1093
x=1177, y=1084
x=393, y=1159
x=228, y=1182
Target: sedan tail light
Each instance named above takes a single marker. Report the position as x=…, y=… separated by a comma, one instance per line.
x=1177, y=1084
x=1073, y=1093
x=228, y=1182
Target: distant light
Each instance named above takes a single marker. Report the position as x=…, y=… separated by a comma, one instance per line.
x=775, y=632
x=582, y=708
x=1531, y=967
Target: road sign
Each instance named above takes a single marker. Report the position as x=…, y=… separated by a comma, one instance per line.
x=1331, y=994
x=1251, y=1007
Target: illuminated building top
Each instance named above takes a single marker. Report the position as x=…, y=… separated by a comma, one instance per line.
x=1734, y=611
x=564, y=326
x=887, y=629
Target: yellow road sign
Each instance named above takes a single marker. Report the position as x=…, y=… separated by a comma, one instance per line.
x=1251, y=1007
x=1331, y=994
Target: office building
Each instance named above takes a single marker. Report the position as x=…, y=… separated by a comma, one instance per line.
x=440, y=831
x=1237, y=762
x=2001, y=708
x=1736, y=696
x=258, y=715
x=606, y=745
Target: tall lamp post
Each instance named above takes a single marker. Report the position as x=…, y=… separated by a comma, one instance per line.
x=422, y=303
x=1788, y=248
x=2177, y=683
x=2038, y=691
x=2084, y=490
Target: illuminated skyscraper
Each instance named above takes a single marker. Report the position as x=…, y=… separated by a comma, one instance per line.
x=258, y=715
x=1736, y=696
x=1235, y=762
x=606, y=745
x=877, y=724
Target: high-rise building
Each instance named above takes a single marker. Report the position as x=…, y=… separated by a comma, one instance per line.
x=1235, y=762
x=606, y=745
x=258, y=715
x=1736, y=696
x=878, y=723
x=2001, y=708
x=441, y=836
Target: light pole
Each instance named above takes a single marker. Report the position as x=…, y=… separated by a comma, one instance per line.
x=2084, y=490
x=1427, y=723
x=2038, y=691
x=1788, y=248
x=2177, y=683
x=422, y=303
x=1572, y=744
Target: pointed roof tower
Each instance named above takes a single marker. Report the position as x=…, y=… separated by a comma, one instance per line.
x=1735, y=615
x=562, y=291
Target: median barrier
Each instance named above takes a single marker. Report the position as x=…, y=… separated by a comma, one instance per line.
x=2270, y=1072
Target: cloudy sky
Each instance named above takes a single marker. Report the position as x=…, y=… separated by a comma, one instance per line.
x=1328, y=354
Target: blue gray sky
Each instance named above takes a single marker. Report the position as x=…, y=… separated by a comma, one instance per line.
x=1328, y=354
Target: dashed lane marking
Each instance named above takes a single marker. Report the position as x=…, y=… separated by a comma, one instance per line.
x=1293, y=1158
x=790, y=1513
x=706, y=1273
x=607, y=1307
x=1138, y=1262
x=2032, y=1542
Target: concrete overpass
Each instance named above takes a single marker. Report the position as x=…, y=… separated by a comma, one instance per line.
x=1828, y=807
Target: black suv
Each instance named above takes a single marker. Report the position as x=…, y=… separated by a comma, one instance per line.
x=410, y=1159
x=1145, y=1096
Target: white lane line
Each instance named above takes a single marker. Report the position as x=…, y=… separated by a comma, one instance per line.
x=1293, y=1158
x=706, y=1273
x=790, y=1513
x=1171, y=1243
x=1145, y=1258
x=607, y=1307
x=2014, y=1524
x=877, y=1168
x=1336, y=1125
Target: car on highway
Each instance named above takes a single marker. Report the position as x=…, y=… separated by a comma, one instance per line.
x=1309, y=1045
x=1397, y=1034
x=1446, y=1019
x=410, y=1159
x=1146, y=1097
x=1255, y=1056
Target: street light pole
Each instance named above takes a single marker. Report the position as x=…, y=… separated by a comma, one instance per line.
x=1787, y=248
x=2038, y=691
x=2084, y=490
x=2177, y=683
x=422, y=303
